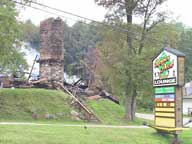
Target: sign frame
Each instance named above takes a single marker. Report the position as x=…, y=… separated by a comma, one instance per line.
x=170, y=110
x=179, y=57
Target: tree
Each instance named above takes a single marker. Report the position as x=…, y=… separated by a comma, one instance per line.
x=78, y=39
x=30, y=34
x=185, y=45
x=90, y=63
x=10, y=57
x=135, y=52
x=111, y=68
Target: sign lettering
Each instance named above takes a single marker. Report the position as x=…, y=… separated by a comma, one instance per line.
x=165, y=69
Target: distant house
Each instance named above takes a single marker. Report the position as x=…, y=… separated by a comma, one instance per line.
x=187, y=98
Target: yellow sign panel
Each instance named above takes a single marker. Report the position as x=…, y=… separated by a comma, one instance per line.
x=165, y=109
x=165, y=115
x=165, y=122
x=165, y=105
x=161, y=114
x=172, y=104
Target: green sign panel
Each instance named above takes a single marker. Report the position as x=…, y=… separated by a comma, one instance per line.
x=163, y=90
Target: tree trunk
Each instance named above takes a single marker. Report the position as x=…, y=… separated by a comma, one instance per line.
x=134, y=103
x=130, y=102
x=130, y=108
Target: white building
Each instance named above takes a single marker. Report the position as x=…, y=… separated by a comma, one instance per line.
x=187, y=98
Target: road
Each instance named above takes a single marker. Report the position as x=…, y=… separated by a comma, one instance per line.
x=151, y=117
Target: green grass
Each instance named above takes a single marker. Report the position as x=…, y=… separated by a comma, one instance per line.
x=186, y=137
x=79, y=135
x=111, y=113
x=19, y=104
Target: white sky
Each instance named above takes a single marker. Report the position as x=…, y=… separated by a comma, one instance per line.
x=85, y=8
x=181, y=10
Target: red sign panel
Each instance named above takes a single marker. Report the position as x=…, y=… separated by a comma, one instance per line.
x=165, y=98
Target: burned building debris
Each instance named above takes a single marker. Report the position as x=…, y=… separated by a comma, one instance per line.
x=51, y=72
x=52, y=50
x=5, y=81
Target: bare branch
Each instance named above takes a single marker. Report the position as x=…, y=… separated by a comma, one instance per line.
x=155, y=23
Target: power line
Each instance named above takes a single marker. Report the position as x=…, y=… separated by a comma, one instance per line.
x=39, y=9
x=36, y=8
x=72, y=14
x=85, y=18
x=114, y=28
x=75, y=15
x=122, y=35
x=101, y=23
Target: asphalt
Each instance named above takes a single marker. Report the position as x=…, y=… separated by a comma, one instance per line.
x=151, y=117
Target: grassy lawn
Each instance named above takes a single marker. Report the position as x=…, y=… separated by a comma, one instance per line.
x=19, y=104
x=79, y=135
x=111, y=113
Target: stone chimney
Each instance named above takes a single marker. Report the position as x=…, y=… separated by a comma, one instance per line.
x=52, y=50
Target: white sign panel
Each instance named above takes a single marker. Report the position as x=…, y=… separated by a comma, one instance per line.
x=165, y=69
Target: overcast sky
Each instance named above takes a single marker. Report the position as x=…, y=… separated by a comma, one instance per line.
x=181, y=10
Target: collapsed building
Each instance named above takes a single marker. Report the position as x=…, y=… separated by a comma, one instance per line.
x=52, y=59
x=51, y=69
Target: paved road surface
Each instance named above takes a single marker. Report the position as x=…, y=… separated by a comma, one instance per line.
x=151, y=117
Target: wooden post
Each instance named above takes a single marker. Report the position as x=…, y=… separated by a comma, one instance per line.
x=32, y=67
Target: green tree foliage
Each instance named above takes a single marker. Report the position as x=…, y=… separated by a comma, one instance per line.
x=176, y=35
x=113, y=55
x=111, y=70
x=78, y=39
x=136, y=50
x=116, y=62
x=185, y=45
x=30, y=34
x=11, y=60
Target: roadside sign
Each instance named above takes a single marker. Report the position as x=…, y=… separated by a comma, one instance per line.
x=168, y=78
x=165, y=69
x=168, y=68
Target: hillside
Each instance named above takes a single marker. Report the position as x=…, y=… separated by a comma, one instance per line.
x=20, y=104
x=111, y=113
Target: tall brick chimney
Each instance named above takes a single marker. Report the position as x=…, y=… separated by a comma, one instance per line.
x=52, y=49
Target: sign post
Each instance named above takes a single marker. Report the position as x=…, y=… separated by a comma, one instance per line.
x=168, y=80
